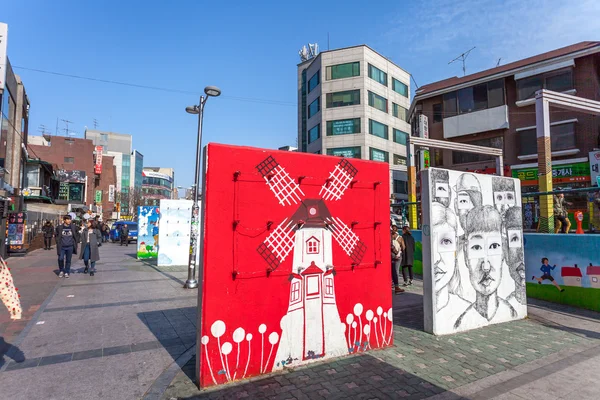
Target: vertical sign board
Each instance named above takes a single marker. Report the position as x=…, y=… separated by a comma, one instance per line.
x=148, y=232
x=174, y=233
x=473, y=259
x=289, y=241
x=595, y=166
x=3, y=45
x=98, y=165
x=98, y=198
x=111, y=193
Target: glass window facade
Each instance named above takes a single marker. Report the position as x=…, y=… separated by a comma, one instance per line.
x=378, y=102
x=437, y=112
x=399, y=87
x=314, y=133
x=139, y=167
x=343, y=127
x=473, y=98
x=560, y=81
x=350, y=152
x=126, y=172
x=314, y=81
x=378, y=129
x=399, y=160
x=378, y=75
x=340, y=71
x=314, y=107
x=399, y=112
x=562, y=137
x=378, y=155
x=342, y=99
x=459, y=157
x=400, y=187
x=159, y=182
x=303, y=93
x=400, y=137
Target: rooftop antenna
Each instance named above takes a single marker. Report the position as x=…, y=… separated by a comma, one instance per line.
x=462, y=58
x=96, y=124
x=498, y=63
x=67, y=122
x=46, y=134
x=327, y=41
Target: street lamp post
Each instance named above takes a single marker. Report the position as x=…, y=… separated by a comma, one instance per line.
x=191, y=282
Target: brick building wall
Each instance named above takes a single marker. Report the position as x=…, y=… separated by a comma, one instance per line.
x=75, y=154
x=586, y=81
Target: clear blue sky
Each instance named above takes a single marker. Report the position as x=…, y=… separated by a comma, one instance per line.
x=250, y=50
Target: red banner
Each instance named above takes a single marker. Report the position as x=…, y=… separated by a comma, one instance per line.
x=98, y=165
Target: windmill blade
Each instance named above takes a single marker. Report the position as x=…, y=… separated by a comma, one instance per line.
x=339, y=180
x=348, y=240
x=278, y=244
x=286, y=189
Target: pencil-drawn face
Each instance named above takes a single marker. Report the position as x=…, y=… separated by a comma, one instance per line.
x=484, y=259
x=444, y=255
x=504, y=200
x=516, y=266
x=442, y=193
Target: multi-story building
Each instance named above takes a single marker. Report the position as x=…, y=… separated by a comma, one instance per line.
x=496, y=108
x=14, y=112
x=158, y=183
x=128, y=161
x=80, y=184
x=353, y=102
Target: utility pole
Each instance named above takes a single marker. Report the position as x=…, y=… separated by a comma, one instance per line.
x=462, y=58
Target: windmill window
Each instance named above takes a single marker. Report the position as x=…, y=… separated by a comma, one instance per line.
x=312, y=246
x=329, y=286
x=594, y=279
x=295, y=294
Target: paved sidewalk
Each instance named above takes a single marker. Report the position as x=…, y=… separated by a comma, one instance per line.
x=108, y=336
x=548, y=356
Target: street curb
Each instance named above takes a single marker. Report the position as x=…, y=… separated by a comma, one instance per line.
x=31, y=323
x=164, y=380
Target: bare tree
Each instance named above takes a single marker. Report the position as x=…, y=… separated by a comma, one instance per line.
x=130, y=199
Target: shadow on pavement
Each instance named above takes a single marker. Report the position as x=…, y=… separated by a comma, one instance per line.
x=408, y=310
x=174, y=329
x=361, y=377
x=10, y=351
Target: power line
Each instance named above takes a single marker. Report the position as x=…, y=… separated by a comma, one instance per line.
x=170, y=90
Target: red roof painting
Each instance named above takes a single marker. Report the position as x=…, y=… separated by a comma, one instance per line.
x=593, y=270
x=570, y=271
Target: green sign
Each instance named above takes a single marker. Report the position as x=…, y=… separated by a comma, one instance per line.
x=572, y=172
x=344, y=127
x=63, y=191
x=350, y=152
x=598, y=180
x=98, y=196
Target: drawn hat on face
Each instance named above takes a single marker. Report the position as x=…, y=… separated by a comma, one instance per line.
x=468, y=182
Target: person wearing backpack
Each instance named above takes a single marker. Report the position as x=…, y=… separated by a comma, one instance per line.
x=67, y=238
x=396, y=249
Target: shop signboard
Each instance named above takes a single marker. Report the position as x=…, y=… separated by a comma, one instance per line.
x=98, y=196
x=16, y=232
x=111, y=193
x=595, y=166
x=562, y=173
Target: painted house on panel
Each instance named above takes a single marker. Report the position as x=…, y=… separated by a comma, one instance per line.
x=571, y=276
x=593, y=273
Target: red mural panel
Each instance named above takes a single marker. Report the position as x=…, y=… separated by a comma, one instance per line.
x=296, y=261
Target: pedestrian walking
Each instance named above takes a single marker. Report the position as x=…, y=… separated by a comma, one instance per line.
x=124, y=234
x=547, y=274
x=48, y=230
x=9, y=296
x=396, y=259
x=563, y=224
x=67, y=238
x=91, y=239
x=408, y=256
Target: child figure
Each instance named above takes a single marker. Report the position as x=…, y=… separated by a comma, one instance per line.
x=547, y=275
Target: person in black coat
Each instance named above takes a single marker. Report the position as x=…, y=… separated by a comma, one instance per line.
x=67, y=238
x=408, y=255
x=91, y=239
x=48, y=230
